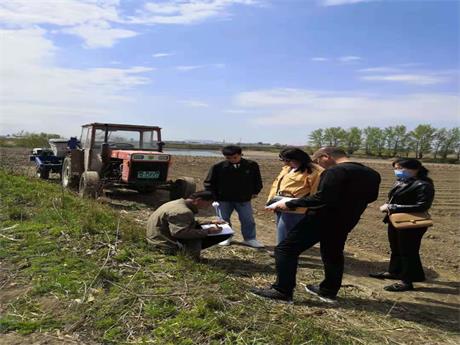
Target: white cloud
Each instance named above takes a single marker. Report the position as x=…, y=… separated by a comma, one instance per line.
x=380, y=69
x=299, y=107
x=186, y=12
x=99, y=22
x=62, y=13
x=89, y=19
x=407, y=75
x=349, y=58
x=237, y=111
x=160, y=55
x=415, y=79
x=34, y=88
x=194, y=103
x=187, y=68
x=319, y=59
x=274, y=97
x=99, y=34
x=341, y=2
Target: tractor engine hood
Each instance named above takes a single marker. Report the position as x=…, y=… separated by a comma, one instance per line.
x=140, y=155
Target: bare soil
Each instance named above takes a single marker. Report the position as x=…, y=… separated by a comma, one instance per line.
x=432, y=308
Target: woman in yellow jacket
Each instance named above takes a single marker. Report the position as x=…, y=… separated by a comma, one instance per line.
x=299, y=177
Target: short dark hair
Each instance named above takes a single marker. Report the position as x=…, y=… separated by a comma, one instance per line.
x=334, y=152
x=296, y=154
x=203, y=195
x=231, y=150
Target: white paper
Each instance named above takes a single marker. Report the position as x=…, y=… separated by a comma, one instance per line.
x=226, y=229
x=279, y=202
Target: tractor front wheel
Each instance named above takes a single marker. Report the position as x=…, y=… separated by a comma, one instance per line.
x=43, y=173
x=89, y=185
x=68, y=180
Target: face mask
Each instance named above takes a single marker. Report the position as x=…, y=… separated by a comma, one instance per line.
x=402, y=174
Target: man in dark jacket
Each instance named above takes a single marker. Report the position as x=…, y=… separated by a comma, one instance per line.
x=234, y=182
x=344, y=191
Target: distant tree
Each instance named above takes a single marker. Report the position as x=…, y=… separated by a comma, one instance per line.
x=395, y=139
x=374, y=142
x=334, y=136
x=316, y=138
x=439, y=139
x=452, y=138
x=30, y=140
x=422, y=137
x=457, y=144
x=353, y=140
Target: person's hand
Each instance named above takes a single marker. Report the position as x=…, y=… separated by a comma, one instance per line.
x=214, y=230
x=281, y=206
x=383, y=208
x=218, y=221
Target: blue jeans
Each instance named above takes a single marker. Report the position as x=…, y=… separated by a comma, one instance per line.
x=285, y=221
x=244, y=210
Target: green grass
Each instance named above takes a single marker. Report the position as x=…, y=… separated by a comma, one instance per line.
x=82, y=267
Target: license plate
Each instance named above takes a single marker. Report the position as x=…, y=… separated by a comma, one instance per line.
x=148, y=174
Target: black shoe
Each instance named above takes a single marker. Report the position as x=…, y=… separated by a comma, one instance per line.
x=399, y=287
x=325, y=297
x=383, y=275
x=272, y=293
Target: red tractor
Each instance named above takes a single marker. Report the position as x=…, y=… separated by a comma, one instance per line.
x=111, y=156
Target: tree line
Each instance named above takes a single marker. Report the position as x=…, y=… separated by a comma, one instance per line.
x=393, y=141
x=27, y=139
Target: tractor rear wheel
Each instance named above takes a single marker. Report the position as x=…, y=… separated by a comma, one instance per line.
x=68, y=180
x=89, y=185
x=182, y=188
x=43, y=173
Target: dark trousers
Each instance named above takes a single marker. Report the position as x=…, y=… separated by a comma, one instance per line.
x=309, y=231
x=193, y=247
x=405, y=258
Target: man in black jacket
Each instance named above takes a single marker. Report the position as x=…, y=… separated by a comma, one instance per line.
x=234, y=182
x=344, y=191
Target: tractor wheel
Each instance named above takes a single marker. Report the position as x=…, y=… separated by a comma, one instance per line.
x=89, y=185
x=43, y=173
x=182, y=188
x=68, y=180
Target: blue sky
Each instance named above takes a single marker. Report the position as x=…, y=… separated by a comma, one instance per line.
x=249, y=70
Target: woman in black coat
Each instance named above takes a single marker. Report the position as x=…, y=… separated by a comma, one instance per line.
x=412, y=192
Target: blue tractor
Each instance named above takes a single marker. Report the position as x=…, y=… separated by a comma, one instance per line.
x=49, y=160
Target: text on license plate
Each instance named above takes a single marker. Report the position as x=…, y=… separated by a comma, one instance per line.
x=148, y=174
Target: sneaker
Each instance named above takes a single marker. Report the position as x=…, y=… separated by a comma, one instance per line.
x=316, y=291
x=253, y=243
x=272, y=293
x=227, y=242
x=399, y=287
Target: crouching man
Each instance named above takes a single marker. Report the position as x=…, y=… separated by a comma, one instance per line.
x=173, y=226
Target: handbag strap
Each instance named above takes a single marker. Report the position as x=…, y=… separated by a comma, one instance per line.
x=389, y=202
